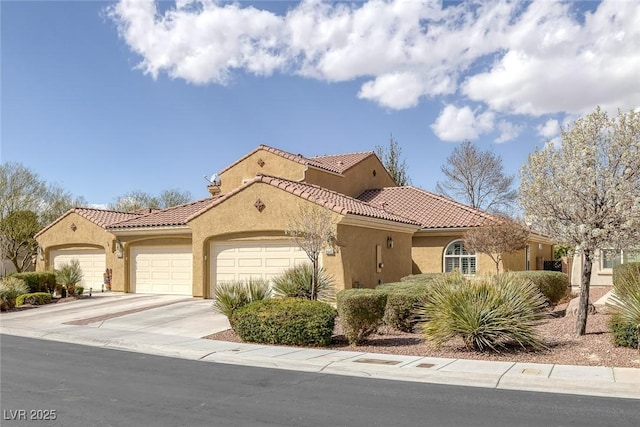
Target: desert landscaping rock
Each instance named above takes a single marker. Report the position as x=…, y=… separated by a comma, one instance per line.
x=572, y=308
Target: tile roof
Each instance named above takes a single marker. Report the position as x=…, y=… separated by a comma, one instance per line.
x=430, y=210
x=336, y=163
x=100, y=217
x=340, y=163
x=173, y=216
x=337, y=202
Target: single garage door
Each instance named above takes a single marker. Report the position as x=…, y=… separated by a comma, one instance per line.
x=264, y=259
x=162, y=270
x=92, y=262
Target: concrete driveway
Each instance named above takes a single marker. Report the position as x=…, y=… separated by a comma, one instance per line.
x=142, y=313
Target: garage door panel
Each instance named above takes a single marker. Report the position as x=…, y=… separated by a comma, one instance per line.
x=245, y=260
x=162, y=270
x=92, y=262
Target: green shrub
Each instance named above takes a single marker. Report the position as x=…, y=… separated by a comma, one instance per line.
x=69, y=275
x=38, y=281
x=625, y=334
x=625, y=300
x=361, y=312
x=233, y=295
x=36, y=298
x=402, y=299
x=553, y=284
x=423, y=277
x=11, y=288
x=487, y=313
x=287, y=321
x=79, y=290
x=295, y=282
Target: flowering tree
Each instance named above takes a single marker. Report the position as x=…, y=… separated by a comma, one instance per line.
x=497, y=238
x=586, y=192
x=313, y=229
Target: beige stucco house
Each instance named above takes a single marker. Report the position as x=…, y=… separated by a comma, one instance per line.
x=384, y=232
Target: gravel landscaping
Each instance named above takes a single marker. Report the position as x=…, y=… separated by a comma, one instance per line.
x=596, y=348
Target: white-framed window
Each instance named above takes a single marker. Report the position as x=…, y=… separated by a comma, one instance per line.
x=456, y=258
x=610, y=258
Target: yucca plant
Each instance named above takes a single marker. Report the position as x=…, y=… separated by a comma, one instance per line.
x=10, y=289
x=233, y=295
x=69, y=275
x=295, y=282
x=625, y=301
x=487, y=313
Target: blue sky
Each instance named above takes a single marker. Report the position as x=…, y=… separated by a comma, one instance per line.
x=104, y=98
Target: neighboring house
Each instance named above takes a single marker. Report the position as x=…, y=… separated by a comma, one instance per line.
x=602, y=268
x=384, y=232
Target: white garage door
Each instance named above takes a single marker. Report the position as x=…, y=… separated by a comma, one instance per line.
x=162, y=270
x=264, y=259
x=92, y=262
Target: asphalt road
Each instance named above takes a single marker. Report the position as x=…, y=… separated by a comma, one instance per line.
x=90, y=386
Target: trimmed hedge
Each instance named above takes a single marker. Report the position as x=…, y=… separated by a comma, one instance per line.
x=423, y=277
x=625, y=334
x=402, y=299
x=553, y=284
x=361, y=312
x=287, y=321
x=38, y=281
x=36, y=298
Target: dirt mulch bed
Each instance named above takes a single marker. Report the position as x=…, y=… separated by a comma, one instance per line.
x=596, y=348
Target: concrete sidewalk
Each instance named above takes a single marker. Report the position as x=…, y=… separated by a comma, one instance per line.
x=172, y=327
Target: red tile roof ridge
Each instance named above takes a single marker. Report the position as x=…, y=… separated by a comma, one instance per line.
x=83, y=212
x=450, y=201
x=354, y=153
x=285, y=183
x=161, y=213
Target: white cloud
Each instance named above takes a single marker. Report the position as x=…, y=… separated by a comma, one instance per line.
x=550, y=129
x=508, y=131
x=545, y=58
x=458, y=124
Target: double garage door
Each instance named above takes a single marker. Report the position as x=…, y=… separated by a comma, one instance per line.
x=92, y=263
x=162, y=270
x=263, y=259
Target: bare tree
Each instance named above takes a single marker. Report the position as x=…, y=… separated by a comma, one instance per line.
x=27, y=204
x=391, y=158
x=313, y=229
x=476, y=178
x=17, y=242
x=585, y=193
x=135, y=200
x=497, y=238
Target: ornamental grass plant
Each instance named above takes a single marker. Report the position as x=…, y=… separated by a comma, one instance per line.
x=488, y=313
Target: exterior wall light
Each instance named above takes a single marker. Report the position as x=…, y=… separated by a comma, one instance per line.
x=40, y=253
x=390, y=242
x=119, y=249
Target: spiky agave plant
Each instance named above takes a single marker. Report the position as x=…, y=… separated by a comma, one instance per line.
x=69, y=275
x=487, y=313
x=295, y=282
x=625, y=300
x=233, y=295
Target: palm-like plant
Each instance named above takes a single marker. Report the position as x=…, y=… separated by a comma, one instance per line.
x=233, y=295
x=295, y=282
x=625, y=300
x=69, y=275
x=10, y=289
x=487, y=313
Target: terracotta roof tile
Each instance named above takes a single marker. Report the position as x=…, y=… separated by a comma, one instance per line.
x=428, y=209
x=336, y=163
x=100, y=217
x=340, y=163
x=173, y=216
x=337, y=202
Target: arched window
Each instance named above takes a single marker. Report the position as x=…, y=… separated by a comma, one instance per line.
x=456, y=258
